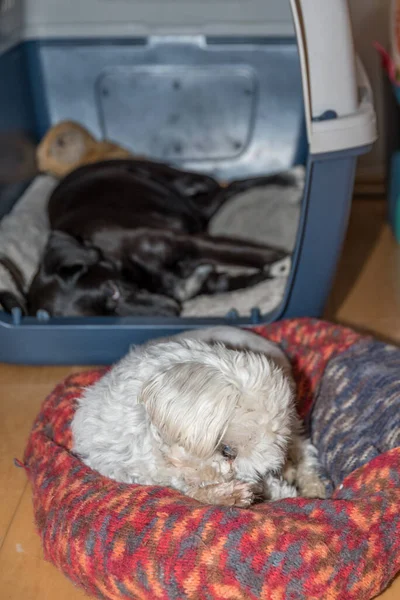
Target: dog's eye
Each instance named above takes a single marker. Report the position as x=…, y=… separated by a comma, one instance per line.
x=228, y=452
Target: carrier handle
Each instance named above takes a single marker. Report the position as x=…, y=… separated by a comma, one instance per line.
x=337, y=117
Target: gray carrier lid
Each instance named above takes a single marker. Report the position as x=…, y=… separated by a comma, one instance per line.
x=158, y=17
x=337, y=95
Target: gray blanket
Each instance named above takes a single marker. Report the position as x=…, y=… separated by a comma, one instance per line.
x=24, y=232
x=269, y=215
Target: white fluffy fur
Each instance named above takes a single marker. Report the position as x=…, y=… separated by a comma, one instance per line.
x=208, y=412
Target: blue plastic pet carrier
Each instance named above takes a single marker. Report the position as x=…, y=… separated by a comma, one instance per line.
x=258, y=86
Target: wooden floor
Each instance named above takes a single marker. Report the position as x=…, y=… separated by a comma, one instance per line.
x=366, y=295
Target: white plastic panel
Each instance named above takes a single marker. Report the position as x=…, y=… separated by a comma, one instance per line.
x=182, y=109
x=349, y=131
x=338, y=99
x=91, y=18
x=324, y=29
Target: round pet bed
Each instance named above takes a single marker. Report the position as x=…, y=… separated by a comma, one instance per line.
x=130, y=541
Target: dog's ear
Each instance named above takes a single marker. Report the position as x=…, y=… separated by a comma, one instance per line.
x=66, y=257
x=190, y=405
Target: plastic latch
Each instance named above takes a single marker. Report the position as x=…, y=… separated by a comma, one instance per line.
x=232, y=315
x=42, y=315
x=328, y=115
x=16, y=313
x=255, y=316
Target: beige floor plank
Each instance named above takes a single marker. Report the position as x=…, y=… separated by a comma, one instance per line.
x=22, y=389
x=366, y=294
x=24, y=574
x=392, y=593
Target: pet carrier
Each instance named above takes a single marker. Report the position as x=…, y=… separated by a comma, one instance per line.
x=232, y=89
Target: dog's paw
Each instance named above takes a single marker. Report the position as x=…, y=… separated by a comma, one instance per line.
x=192, y=285
x=280, y=268
x=234, y=493
x=312, y=487
x=231, y=493
x=277, y=488
x=242, y=494
x=167, y=307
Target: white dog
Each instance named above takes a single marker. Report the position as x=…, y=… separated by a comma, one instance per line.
x=210, y=413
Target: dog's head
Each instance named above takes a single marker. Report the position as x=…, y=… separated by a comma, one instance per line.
x=75, y=280
x=228, y=411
